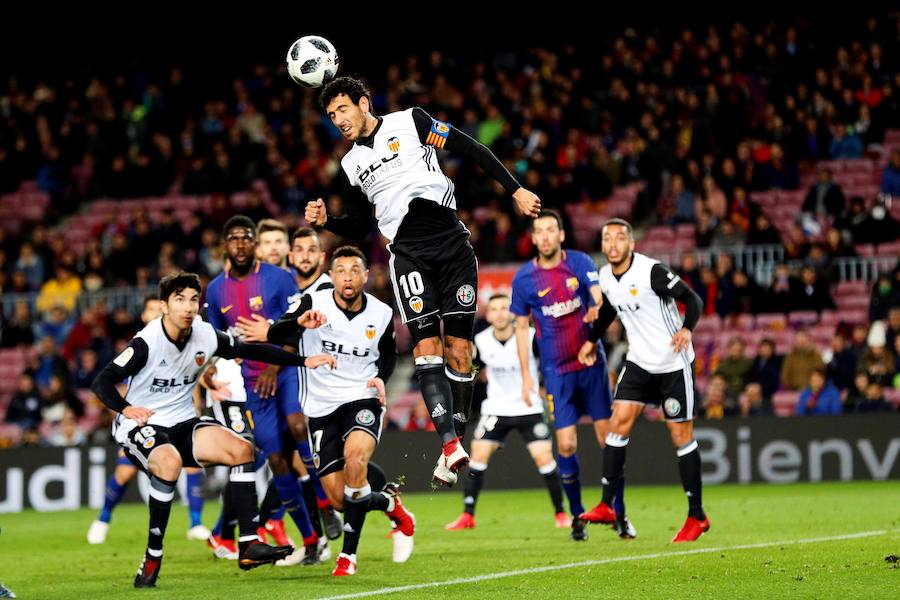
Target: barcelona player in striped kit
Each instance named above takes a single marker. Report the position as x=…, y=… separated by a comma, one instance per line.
x=560, y=290
x=250, y=287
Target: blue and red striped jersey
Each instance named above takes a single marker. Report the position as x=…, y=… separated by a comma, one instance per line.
x=264, y=291
x=558, y=299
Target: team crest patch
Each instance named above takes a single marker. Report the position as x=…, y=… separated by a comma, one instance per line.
x=365, y=417
x=316, y=460
x=394, y=145
x=256, y=303
x=200, y=358
x=541, y=431
x=672, y=407
x=149, y=443
x=466, y=295
x=416, y=304
x=633, y=290
x=370, y=332
x=572, y=283
x=237, y=426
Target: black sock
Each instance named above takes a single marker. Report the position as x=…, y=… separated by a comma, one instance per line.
x=689, y=469
x=312, y=504
x=243, y=493
x=613, y=465
x=356, y=505
x=551, y=480
x=438, y=398
x=229, y=516
x=161, y=494
x=270, y=504
x=472, y=489
x=462, y=386
x=376, y=477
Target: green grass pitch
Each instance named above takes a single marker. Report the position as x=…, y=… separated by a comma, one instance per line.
x=766, y=542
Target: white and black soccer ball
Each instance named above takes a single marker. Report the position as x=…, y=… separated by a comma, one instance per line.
x=312, y=61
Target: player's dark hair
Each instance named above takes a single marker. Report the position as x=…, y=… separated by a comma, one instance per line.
x=178, y=282
x=238, y=221
x=267, y=225
x=499, y=296
x=768, y=341
x=349, y=86
x=548, y=213
x=304, y=232
x=349, y=251
x=623, y=223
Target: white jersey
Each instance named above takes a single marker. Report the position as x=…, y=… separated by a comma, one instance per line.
x=650, y=321
x=166, y=382
x=354, y=342
x=230, y=372
x=396, y=169
x=504, y=376
x=322, y=282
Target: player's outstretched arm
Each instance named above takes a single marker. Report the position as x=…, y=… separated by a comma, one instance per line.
x=231, y=348
x=523, y=349
x=441, y=135
x=299, y=317
x=354, y=224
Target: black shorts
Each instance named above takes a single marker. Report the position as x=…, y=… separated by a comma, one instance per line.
x=532, y=428
x=139, y=442
x=673, y=392
x=328, y=433
x=235, y=416
x=436, y=277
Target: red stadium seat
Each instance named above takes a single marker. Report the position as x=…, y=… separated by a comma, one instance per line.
x=785, y=403
x=773, y=321
x=802, y=318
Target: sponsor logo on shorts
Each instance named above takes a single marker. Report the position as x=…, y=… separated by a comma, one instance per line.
x=416, y=304
x=365, y=417
x=541, y=431
x=672, y=406
x=466, y=295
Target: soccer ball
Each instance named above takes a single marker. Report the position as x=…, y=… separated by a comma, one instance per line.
x=312, y=61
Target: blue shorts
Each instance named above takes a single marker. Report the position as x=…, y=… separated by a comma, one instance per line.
x=270, y=427
x=584, y=392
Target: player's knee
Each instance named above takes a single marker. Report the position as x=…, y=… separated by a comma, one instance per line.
x=165, y=462
x=278, y=464
x=242, y=452
x=430, y=346
x=459, y=355
x=299, y=430
x=567, y=447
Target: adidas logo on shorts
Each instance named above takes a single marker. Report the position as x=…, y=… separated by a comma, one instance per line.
x=438, y=411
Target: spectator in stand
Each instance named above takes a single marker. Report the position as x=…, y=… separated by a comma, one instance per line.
x=752, y=403
x=60, y=397
x=811, y=294
x=748, y=296
x=86, y=369
x=19, y=330
x=825, y=198
x=845, y=143
x=765, y=371
x=885, y=295
x=836, y=246
x=878, y=360
x=763, y=232
x=780, y=295
x=820, y=397
x=31, y=264
x=689, y=272
x=63, y=289
x=26, y=404
x=879, y=227
x=734, y=369
x=717, y=405
x=800, y=362
x=684, y=203
x=856, y=394
x=875, y=400
x=46, y=363
x=890, y=179
x=67, y=433
x=780, y=172
x=841, y=367
x=892, y=331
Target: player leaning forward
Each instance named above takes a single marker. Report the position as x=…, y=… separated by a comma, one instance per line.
x=157, y=424
x=345, y=406
x=659, y=368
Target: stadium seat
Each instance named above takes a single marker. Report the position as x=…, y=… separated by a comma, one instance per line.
x=785, y=403
x=802, y=318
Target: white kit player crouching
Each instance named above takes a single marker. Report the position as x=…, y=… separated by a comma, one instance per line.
x=157, y=424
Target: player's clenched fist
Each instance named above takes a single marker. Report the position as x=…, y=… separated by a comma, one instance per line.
x=315, y=213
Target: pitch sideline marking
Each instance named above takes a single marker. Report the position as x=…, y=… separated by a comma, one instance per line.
x=603, y=561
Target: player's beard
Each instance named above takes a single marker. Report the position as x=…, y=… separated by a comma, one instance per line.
x=552, y=255
x=306, y=273
x=241, y=270
x=622, y=259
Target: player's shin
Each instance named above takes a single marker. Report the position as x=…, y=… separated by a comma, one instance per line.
x=569, y=471
x=306, y=456
x=613, y=465
x=195, y=497
x=242, y=481
x=161, y=494
x=292, y=499
x=312, y=503
x=229, y=517
x=115, y=491
x=550, y=473
x=689, y=469
x=356, y=505
x=437, y=394
x=474, y=483
x=462, y=387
